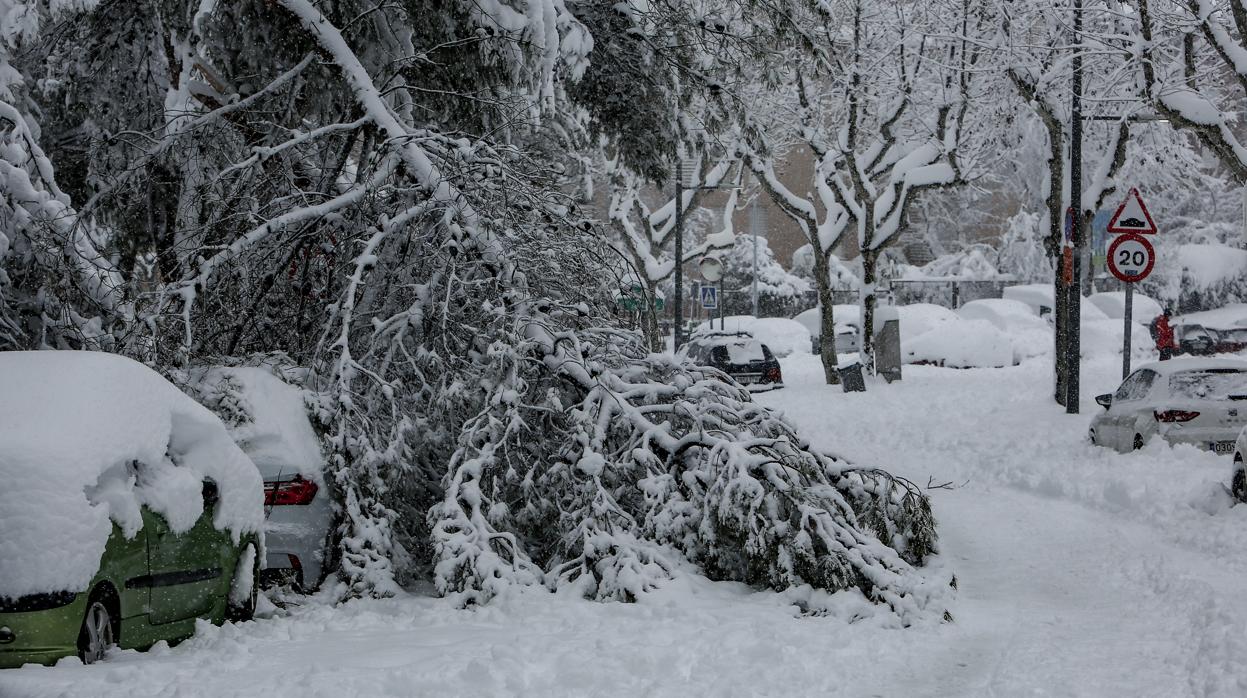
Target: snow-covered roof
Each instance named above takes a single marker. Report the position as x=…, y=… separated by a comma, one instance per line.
x=1192, y=363
x=1231, y=316
x=271, y=424
x=70, y=425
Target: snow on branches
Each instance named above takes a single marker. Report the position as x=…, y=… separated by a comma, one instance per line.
x=600, y=469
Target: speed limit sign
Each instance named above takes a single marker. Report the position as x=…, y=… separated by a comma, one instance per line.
x=1131, y=257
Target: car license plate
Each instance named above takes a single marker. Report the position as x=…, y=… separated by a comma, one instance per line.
x=1221, y=447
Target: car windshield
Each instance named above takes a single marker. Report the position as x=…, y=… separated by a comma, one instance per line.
x=1209, y=384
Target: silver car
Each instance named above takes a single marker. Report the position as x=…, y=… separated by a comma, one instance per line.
x=1202, y=402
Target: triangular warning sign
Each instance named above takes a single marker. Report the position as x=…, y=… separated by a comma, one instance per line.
x=1132, y=216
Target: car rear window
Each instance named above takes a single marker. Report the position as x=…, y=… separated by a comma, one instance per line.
x=744, y=352
x=1209, y=384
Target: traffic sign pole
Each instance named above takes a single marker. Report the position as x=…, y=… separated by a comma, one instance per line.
x=1125, y=333
x=1130, y=258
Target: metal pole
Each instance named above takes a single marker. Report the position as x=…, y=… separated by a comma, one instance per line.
x=722, y=322
x=1074, y=307
x=1125, y=342
x=678, y=306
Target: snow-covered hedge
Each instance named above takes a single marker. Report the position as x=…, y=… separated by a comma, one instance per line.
x=661, y=465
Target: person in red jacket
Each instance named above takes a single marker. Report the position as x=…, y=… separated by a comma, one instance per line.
x=1162, y=332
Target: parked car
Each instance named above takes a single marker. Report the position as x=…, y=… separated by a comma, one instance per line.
x=1195, y=340
x=127, y=512
x=848, y=327
x=1202, y=402
x=739, y=355
x=267, y=418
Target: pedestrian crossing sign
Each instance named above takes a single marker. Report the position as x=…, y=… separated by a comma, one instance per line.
x=709, y=297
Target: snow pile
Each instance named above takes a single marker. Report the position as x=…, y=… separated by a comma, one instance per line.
x=781, y=335
x=963, y=343
x=266, y=417
x=70, y=425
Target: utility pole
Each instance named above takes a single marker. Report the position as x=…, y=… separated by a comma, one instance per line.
x=757, y=224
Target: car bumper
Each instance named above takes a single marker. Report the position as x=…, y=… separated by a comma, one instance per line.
x=297, y=531
x=42, y=637
x=1201, y=438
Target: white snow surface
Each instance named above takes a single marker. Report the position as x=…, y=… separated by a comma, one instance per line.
x=781, y=335
x=1081, y=572
x=70, y=423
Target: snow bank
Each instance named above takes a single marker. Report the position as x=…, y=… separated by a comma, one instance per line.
x=782, y=335
x=70, y=423
x=963, y=343
x=266, y=417
x=1113, y=304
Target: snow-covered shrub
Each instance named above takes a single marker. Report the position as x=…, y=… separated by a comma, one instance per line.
x=660, y=465
x=780, y=293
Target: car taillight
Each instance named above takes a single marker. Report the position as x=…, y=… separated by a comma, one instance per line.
x=296, y=491
x=1175, y=416
x=774, y=375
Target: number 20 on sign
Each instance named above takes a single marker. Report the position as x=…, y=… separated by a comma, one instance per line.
x=1131, y=257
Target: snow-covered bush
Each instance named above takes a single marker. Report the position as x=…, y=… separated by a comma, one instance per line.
x=661, y=465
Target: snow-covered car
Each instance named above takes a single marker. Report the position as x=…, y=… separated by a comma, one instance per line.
x=739, y=355
x=848, y=323
x=1202, y=402
x=781, y=335
x=1029, y=335
x=267, y=418
x=961, y=343
x=126, y=511
x=1113, y=304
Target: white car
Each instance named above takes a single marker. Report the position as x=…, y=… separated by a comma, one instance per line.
x=1202, y=402
x=267, y=418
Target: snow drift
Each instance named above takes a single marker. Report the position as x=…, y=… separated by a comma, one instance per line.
x=70, y=425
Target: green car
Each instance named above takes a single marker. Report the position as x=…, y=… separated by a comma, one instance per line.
x=126, y=510
x=149, y=588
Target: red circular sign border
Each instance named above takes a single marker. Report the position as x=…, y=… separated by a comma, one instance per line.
x=1151, y=258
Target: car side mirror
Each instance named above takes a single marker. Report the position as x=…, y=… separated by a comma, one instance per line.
x=1105, y=400
x=211, y=494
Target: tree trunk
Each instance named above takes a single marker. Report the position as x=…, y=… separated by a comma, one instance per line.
x=827, y=325
x=649, y=316
x=870, y=263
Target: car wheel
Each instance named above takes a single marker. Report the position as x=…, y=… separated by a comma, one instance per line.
x=1238, y=484
x=97, y=634
x=244, y=589
x=1138, y=441
x=1091, y=437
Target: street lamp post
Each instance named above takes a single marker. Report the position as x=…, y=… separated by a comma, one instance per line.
x=682, y=172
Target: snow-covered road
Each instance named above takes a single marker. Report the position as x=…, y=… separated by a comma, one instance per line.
x=1081, y=573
